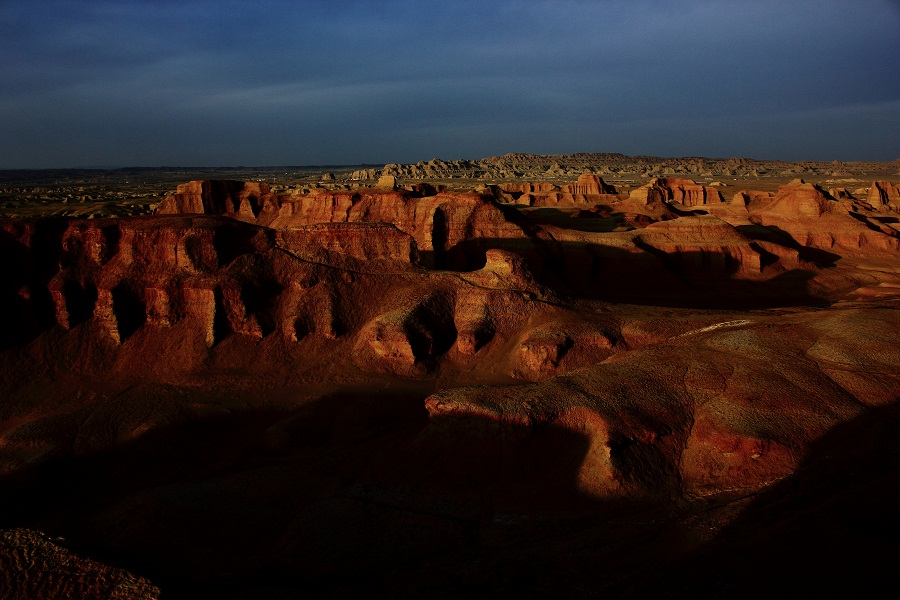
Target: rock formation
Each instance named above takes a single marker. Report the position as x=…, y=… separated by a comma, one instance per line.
x=588, y=190
x=444, y=225
x=682, y=191
x=588, y=185
x=517, y=167
x=386, y=182
x=813, y=219
x=884, y=194
x=536, y=388
x=240, y=199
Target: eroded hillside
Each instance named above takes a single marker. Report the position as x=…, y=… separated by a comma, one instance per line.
x=525, y=388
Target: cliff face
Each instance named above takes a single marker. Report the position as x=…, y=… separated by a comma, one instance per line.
x=884, y=195
x=589, y=184
x=238, y=199
x=134, y=286
x=588, y=190
x=455, y=230
x=704, y=245
x=360, y=246
x=177, y=287
x=442, y=225
x=123, y=275
x=529, y=187
x=682, y=191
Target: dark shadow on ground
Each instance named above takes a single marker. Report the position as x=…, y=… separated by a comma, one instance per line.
x=650, y=277
x=350, y=494
x=770, y=233
x=357, y=493
x=829, y=530
x=576, y=218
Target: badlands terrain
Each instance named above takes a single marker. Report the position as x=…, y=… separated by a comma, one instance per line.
x=572, y=376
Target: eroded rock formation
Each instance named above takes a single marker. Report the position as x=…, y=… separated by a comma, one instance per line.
x=257, y=394
x=240, y=199
x=813, y=219
x=673, y=189
x=884, y=194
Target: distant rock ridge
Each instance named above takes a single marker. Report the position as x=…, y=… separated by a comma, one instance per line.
x=517, y=166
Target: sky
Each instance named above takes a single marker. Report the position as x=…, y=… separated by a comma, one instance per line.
x=310, y=82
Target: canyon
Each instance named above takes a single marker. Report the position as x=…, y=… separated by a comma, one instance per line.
x=506, y=377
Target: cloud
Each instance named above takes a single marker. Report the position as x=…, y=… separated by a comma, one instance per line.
x=533, y=74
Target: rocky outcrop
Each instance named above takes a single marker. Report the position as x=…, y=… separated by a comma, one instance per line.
x=703, y=245
x=801, y=199
x=529, y=187
x=588, y=190
x=752, y=199
x=409, y=340
x=446, y=227
x=451, y=230
x=675, y=258
x=199, y=279
x=242, y=200
x=884, y=195
x=557, y=346
x=387, y=182
x=814, y=219
x=366, y=247
x=177, y=288
x=682, y=191
x=588, y=184
x=505, y=270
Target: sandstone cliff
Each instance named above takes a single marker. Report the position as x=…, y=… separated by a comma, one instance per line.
x=239, y=199
x=450, y=229
x=682, y=191
x=884, y=195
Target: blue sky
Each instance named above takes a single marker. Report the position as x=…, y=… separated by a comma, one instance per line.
x=218, y=83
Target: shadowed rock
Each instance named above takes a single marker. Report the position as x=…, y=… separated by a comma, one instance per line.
x=439, y=394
